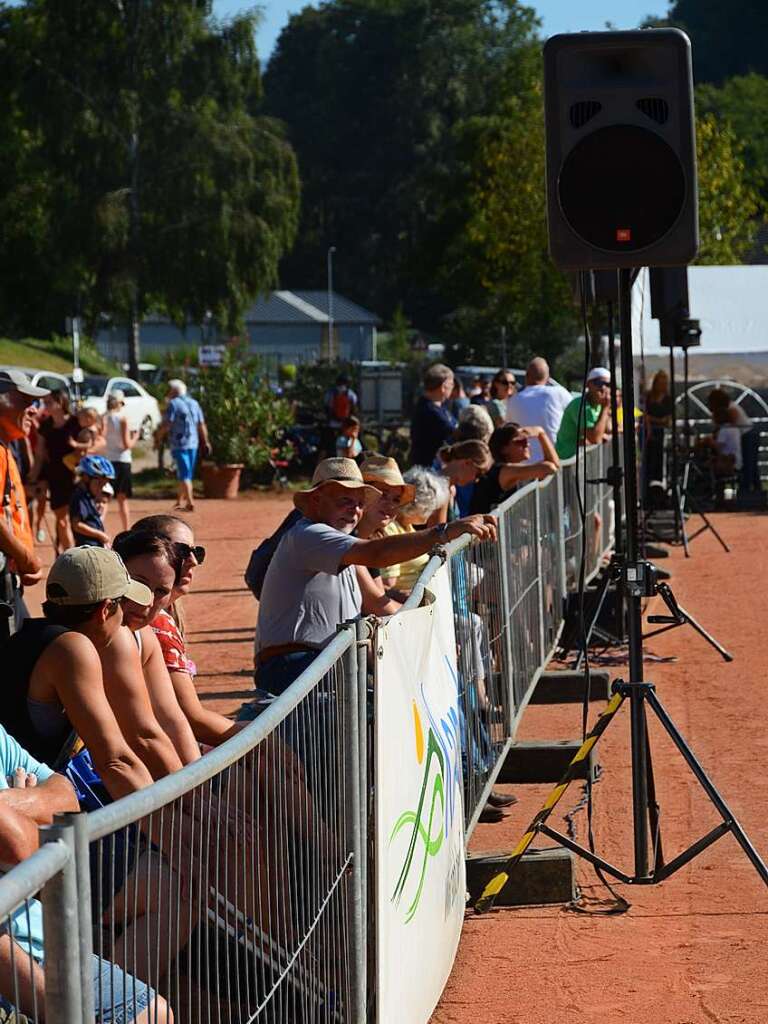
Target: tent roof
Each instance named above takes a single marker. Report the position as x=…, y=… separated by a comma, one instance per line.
x=731, y=304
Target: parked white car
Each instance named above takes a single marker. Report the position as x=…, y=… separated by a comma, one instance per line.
x=44, y=378
x=141, y=409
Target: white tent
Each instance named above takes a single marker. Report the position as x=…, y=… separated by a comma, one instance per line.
x=731, y=303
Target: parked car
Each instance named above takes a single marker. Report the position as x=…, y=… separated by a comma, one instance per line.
x=141, y=409
x=45, y=378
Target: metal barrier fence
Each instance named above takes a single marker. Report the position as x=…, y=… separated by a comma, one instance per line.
x=509, y=602
x=232, y=890
x=236, y=889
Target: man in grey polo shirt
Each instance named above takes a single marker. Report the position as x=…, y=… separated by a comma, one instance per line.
x=311, y=586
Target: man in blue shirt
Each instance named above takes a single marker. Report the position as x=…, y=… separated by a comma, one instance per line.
x=432, y=424
x=184, y=424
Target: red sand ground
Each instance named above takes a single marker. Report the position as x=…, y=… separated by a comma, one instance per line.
x=688, y=952
x=691, y=951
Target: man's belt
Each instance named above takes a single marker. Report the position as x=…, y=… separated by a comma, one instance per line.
x=267, y=653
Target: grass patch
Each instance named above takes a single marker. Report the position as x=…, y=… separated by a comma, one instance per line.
x=158, y=483
x=55, y=354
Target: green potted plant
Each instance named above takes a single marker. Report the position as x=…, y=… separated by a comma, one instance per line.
x=244, y=419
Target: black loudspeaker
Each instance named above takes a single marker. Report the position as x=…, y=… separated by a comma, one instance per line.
x=671, y=307
x=621, y=149
x=669, y=292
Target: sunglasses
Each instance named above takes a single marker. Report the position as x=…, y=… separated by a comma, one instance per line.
x=185, y=550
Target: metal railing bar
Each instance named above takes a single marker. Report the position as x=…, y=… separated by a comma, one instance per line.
x=25, y=880
x=146, y=801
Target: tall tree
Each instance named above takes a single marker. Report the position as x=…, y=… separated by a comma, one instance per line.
x=728, y=38
x=164, y=185
x=373, y=94
x=742, y=102
x=730, y=207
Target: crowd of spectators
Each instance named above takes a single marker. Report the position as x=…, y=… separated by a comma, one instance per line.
x=104, y=676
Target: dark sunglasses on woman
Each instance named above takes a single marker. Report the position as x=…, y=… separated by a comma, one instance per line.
x=185, y=550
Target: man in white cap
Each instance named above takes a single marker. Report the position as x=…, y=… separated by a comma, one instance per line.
x=590, y=425
x=21, y=566
x=311, y=586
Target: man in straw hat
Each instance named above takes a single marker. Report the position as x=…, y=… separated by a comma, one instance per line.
x=311, y=586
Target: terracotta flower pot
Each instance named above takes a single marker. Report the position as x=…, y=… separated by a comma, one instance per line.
x=220, y=481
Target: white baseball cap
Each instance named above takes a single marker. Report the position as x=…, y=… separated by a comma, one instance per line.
x=598, y=373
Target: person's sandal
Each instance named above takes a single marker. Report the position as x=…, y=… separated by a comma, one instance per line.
x=491, y=815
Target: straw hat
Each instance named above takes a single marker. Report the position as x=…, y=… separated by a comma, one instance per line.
x=380, y=469
x=345, y=473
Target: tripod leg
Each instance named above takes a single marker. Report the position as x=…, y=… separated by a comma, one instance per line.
x=496, y=884
x=729, y=820
x=684, y=618
x=653, y=810
x=708, y=524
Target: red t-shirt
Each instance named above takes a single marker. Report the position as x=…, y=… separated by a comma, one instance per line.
x=172, y=645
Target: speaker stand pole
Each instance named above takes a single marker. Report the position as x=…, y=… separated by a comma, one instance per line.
x=614, y=479
x=674, y=491
x=638, y=582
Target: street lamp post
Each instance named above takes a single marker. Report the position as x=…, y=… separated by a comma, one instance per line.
x=331, y=251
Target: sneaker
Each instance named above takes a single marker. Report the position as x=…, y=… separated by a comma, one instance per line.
x=41, y=535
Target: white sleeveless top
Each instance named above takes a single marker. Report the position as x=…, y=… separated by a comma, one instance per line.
x=115, y=451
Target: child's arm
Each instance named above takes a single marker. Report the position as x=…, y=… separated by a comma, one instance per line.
x=78, y=526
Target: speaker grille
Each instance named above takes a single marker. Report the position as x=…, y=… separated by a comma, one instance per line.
x=621, y=188
x=583, y=111
x=654, y=107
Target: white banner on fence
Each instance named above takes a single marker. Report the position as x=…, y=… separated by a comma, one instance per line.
x=420, y=878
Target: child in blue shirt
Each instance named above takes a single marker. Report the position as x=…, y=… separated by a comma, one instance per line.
x=84, y=506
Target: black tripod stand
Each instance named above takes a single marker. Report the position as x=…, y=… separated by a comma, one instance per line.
x=681, y=496
x=637, y=582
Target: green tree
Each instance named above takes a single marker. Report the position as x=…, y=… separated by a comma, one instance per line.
x=372, y=94
x=727, y=38
x=730, y=207
x=159, y=184
x=498, y=261
x=742, y=102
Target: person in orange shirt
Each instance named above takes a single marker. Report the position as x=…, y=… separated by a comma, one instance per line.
x=19, y=565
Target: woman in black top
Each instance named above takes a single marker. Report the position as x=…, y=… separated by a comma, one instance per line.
x=511, y=451
x=57, y=437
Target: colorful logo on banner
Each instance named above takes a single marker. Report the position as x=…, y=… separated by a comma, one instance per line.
x=431, y=823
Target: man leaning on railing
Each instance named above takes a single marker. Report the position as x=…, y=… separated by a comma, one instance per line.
x=30, y=795
x=311, y=586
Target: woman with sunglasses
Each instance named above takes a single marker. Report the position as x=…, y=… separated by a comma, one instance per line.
x=503, y=386
x=511, y=450
x=209, y=727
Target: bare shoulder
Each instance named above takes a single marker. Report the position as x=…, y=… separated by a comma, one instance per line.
x=122, y=650
x=69, y=647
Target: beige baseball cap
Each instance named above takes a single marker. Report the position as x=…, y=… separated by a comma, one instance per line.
x=87, y=575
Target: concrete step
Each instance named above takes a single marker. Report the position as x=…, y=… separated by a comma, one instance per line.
x=541, y=876
x=567, y=687
x=542, y=761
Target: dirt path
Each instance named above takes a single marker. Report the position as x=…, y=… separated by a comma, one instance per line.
x=691, y=951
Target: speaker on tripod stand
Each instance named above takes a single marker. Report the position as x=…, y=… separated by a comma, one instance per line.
x=621, y=193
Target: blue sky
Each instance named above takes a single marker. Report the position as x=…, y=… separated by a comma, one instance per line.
x=557, y=15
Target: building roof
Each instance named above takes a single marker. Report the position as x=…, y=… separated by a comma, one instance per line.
x=296, y=307
x=290, y=307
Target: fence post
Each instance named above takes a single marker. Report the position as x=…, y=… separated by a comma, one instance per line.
x=79, y=823
x=366, y=630
x=351, y=720
x=63, y=986
x=539, y=581
x=561, y=532
x=503, y=553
